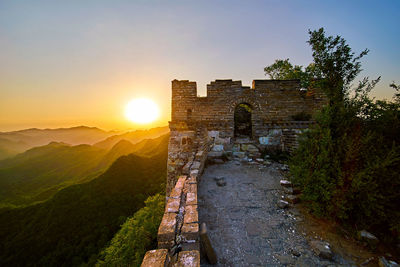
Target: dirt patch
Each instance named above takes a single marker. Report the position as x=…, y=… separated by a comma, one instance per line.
x=342, y=242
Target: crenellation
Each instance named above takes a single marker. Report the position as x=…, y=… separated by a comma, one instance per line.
x=231, y=121
x=273, y=104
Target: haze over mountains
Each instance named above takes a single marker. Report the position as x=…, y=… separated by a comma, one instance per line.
x=12, y=143
x=71, y=228
x=38, y=173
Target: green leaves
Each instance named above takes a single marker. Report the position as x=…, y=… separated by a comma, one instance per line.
x=136, y=236
x=348, y=163
x=284, y=70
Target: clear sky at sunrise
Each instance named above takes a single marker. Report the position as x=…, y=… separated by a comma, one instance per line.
x=80, y=62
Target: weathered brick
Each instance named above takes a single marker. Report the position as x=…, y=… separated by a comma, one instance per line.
x=172, y=205
x=195, y=165
x=191, y=198
x=191, y=180
x=194, y=173
x=181, y=182
x=190, y=231
x=166, y=230
x=155, y=258
x=192, y=188
x=191, y=214
x=166, y=245
x=188, y=246
x=176, y=193
x=188, y=259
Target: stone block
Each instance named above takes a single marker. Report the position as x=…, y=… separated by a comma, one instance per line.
x=181, y=182
x=239, y=154
x=194, y=173
x=249, y=148
x=190, y=188
x=155, y=258
x=285, y=183
x=217, y=148
x=195, y=165
x=176, y=193
x=173, y=205
x=192, y=245
x=186, y=168
x=222, y=141
x=191, y=214
x=190, y=231
x=191, y=180
x=191, y=198
x=236, y=147
x=188, y=259
x=166, y=230
x=215, y=154
x=199, y=153
x=166, y=245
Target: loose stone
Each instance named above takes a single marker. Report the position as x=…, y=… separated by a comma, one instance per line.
x=321, y=249
x=293, y=199
x=283, y=204
x=368, y=237
x=286, y=183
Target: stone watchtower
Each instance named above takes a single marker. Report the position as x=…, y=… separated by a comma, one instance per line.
x=231, y=121
x=235, y=120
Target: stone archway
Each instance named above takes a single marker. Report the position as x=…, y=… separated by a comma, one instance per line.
x=243, y=127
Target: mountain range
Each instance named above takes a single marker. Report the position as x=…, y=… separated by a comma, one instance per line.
x=38, y=173
x=13, y=143
x=71, y=227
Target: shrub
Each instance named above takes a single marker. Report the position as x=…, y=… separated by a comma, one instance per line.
x=348, y=164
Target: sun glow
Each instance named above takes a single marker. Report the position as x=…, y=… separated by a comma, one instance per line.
x=141, y=110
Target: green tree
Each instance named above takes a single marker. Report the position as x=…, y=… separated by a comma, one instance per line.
x=348, y=162
x=284, y=70
x=137, y=235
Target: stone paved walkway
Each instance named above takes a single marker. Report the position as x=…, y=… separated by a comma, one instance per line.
x=245, y=226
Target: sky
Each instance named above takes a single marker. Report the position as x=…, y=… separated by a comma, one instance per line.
x=70, y=63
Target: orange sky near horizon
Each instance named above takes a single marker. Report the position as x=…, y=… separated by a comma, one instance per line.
x=65, y=64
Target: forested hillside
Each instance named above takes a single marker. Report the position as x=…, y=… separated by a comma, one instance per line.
x=73, y=226
x=40, y=172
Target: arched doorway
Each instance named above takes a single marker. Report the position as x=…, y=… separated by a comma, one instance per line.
x=242, y=119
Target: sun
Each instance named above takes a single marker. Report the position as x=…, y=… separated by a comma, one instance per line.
x=142, y=110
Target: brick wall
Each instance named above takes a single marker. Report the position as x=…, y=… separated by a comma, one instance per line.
x=204, y=126
x=272, y=101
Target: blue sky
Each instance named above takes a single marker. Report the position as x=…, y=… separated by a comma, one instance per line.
x=79, y=62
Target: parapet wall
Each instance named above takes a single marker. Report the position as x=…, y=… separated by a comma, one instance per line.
x=272, y=101
x=203, y=127
x=178, y=234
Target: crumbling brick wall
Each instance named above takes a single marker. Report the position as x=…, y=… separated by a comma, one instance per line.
x=273, y=103
x=204, y=126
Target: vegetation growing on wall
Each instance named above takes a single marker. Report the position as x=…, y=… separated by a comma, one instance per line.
x=348, y=164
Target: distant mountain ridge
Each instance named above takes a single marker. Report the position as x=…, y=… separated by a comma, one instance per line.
x=133, y=136
x=12, y=143
x=15, y=142
x=72, y=227
x=40, y=172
